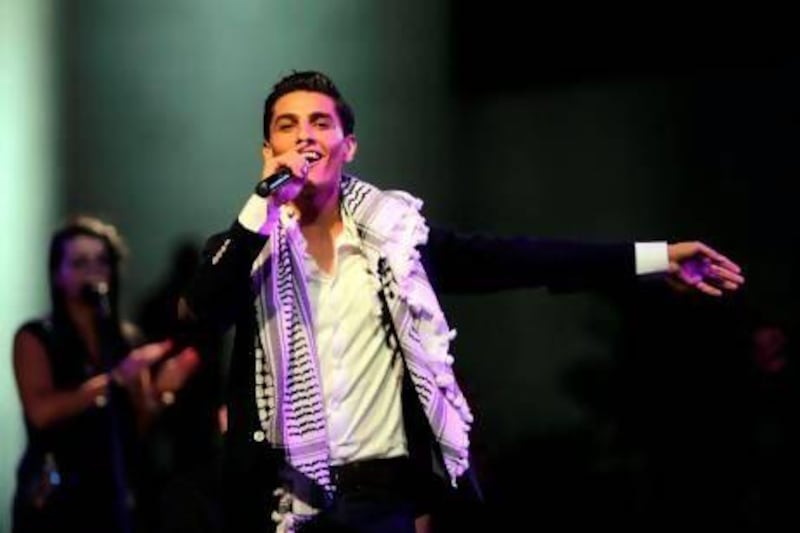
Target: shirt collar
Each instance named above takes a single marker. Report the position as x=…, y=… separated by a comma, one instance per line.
x=349, y=235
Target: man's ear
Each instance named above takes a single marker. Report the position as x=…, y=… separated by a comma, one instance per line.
x=266, y=150
x=351, y=148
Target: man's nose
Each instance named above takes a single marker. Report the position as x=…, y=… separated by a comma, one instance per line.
x=305, y=133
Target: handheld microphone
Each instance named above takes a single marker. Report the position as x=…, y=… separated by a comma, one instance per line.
x=271, y=183
x=97, y=293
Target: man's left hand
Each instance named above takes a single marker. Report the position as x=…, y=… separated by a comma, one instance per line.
x=693, y=265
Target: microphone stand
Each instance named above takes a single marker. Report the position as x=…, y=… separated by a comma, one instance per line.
x=109, y=345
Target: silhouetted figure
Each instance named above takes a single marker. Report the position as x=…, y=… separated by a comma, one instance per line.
x=184, y=446
x=777, y=427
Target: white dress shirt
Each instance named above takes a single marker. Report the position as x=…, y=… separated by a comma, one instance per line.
x=361, y=376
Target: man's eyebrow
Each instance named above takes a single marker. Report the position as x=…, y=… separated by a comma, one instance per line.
x=320, y=114
x=316, y=115
x=285, y=116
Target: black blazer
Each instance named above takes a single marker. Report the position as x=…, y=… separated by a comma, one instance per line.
x=221, y=295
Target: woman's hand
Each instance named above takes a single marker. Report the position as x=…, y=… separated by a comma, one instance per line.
x=128, y=370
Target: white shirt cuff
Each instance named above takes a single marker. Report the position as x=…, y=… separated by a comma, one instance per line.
x=254, y=215
x=651, y=258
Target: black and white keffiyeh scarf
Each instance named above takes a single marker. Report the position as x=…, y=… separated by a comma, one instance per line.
x=288, y=392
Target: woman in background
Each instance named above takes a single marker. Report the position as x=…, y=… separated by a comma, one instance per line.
x=88, y=391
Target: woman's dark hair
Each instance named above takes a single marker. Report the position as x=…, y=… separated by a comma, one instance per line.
x=83, y=225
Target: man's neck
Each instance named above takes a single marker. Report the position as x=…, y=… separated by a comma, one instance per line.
x=321, y=223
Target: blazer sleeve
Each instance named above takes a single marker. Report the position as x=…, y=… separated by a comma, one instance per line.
x=221, y=285
x=474, y=263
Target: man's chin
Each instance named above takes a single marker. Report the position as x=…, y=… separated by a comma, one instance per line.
x=313, y=188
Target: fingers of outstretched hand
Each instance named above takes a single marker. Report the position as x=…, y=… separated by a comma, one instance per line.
x=725, y=275
x=708, y=278
x=716, y=258
x=707, y=288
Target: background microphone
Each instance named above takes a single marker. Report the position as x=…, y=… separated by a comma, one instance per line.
x=97, y=293
x=270, y=184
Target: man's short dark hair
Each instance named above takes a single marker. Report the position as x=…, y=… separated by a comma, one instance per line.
x=310, y=81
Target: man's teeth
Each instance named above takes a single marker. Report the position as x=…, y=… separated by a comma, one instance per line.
x=311, y=157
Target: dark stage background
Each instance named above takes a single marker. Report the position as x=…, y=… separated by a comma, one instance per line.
x=641, y=408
